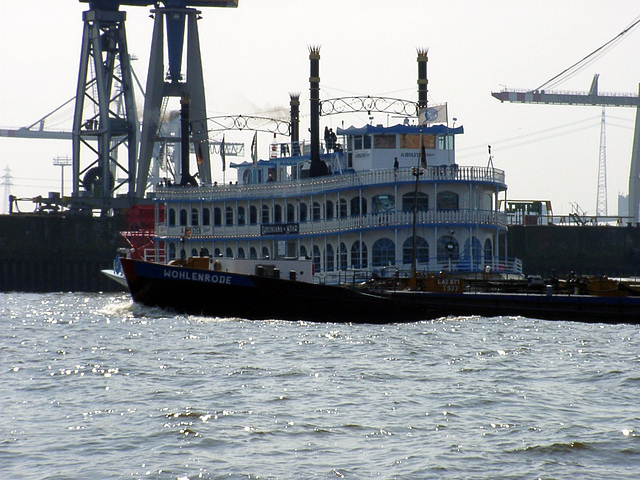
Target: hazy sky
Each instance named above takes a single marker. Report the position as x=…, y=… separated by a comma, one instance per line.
x=256, y=54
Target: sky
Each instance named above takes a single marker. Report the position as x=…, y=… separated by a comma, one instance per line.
x=255, y=55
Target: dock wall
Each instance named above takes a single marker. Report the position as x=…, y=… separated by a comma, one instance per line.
x=54, y=253
x=585, y=250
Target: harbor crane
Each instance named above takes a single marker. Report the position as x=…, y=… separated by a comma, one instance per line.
x=591, y=98
x=101, y=125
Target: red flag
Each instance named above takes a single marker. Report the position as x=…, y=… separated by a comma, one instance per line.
x=199, y=153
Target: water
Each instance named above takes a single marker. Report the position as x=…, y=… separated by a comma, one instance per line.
x=92, y=386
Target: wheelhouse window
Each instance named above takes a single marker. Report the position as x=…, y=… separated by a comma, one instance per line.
x=384, y=141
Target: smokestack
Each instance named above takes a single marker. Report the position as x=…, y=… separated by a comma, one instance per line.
x=185, y=103
x=318, y=167
x=294, y=105
x=423, y=83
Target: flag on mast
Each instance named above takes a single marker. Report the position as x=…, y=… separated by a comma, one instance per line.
x=222, y=155
x=254, y=149
x=199, y=153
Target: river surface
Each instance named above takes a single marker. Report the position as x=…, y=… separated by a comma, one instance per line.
x=95, y=387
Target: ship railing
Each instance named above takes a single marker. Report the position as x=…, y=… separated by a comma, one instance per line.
x=330, y=182
x=346, y=224
x=466, y=267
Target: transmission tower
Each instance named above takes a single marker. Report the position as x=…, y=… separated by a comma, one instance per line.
x=601, y=206
x=6, y=183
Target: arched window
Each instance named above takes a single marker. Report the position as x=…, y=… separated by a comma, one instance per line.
x=355, y=206
x=194, y=252
x=329, y=258
x=447, y=200
x=448, y=248
x=408, y=202
x=217, y=216
x=265, y=214
x=383, y=253
x=343, y=208
x=217, y=252
x=253, y=215
x=316, y=258
x=253, y=254
x=229, y=252
x=291, y=212
x=329, y=210
x=359, y=255
x=303, y=251
x=195, y=217
x=383, y=203
x=488, y=251
x=183, y=217
x=277, y=216
x=204, y=252
x=206, y=216
x=228, y=216
x=265, y=252
x=172, y=217
x=342, y=256
x=303, y=212
x=422, y=251
x=240, y=252
x=472, y=254
x=241, y=216
x=316, y=211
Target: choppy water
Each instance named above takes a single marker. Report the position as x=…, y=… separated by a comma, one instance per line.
x=93, y=387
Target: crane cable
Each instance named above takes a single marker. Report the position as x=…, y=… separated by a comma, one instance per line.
x=561, y=76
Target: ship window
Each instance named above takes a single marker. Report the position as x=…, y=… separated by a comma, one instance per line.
x=183, y=217
x=408, y=202
x=241, y=216
x=384, y=141
x=447, y=200
x=204, y=252
x=265, y=252
x=316, y=211
x=357, y=142
x=383, y=204
x=194, y=252
x=422, y=251
x=488, y=251
x=265, y=214
x=229, y=216
x=277, y=218
x=217, y=252
x=366, y=144
x=172, y=251
x=359, y=255
x=410, y=141
x=240, y=252
x=303, y=212
x=328, y=258
x=172, y=217
x=229, y=252
x=253, y=215
x=195, y=217
x=291, y=213
x=343, y=208
x=316, y=258
x=448, y=249
x=303, y=251
x=217, y=216
x=253, y=254
x=329, y=210
x=206, y=216
x=342, y=256
x=355, y=206
x=383, y=253
x=472, y=254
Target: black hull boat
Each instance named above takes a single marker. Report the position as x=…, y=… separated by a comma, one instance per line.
x=238, y=295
